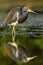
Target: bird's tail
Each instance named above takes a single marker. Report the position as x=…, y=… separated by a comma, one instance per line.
x=30, y=58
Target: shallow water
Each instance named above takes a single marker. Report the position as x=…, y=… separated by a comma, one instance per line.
x=28, y=34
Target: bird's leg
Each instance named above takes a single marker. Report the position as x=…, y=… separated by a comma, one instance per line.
x=13, y=33
x=13, y=39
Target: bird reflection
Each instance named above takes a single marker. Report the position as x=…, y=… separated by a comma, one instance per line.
x=18, y=53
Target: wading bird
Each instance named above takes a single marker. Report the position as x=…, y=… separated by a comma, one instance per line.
x=15, y=16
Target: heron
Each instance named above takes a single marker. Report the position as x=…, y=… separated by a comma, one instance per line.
x=15, y=16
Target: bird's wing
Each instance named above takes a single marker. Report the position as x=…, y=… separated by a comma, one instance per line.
x=8, y=17
x=10, y=14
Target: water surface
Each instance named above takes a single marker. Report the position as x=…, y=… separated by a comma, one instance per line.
x=32, y=41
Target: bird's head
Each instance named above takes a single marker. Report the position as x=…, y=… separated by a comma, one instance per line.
x=26, y=9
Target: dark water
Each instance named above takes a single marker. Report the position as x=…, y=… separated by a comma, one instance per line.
x=28, y=34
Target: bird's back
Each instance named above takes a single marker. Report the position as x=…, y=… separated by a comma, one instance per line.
x=12, y=15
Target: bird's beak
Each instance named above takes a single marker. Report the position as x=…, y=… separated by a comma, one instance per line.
x=30, y=58
x=29, y=10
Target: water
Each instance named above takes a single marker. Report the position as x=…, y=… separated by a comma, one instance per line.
x=28, y=34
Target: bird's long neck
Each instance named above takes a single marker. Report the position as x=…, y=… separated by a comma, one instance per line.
x=17, y=15
x=25, y=15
